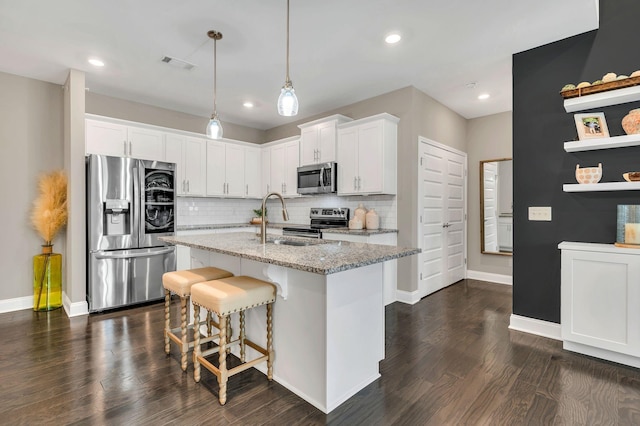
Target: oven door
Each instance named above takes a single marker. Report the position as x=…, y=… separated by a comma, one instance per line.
x=301, y=232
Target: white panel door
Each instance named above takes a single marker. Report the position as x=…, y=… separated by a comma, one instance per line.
x=370, y=155
x=277, y=168
x=327, y=136
x=195, y=165
x=106, y=138
x=291, y=158
x=442, y=201
x=265, y=186
x=216, y=184
x=348, y=161
x=309, y=146
x=146, y=144
x=174, y=154
x=252, y=173
x=235, y=170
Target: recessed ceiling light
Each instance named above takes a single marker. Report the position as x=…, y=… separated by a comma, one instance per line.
x=484, y=96
x=96, y=62
x=248, y=104
x=393, y=38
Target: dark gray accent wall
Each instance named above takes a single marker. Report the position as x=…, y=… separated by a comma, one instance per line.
x=541, y=166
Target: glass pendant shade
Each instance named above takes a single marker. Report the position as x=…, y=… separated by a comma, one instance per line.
x=288, y=101
x=214, y=128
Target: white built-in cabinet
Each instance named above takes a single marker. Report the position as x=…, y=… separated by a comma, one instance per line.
x=119, y=140
x=225, y=169
x=190, y=156
x=366, y=156
x=318, y=139
x=600, y=290
x=283, y=164
x=252, y=172
x=505, y=233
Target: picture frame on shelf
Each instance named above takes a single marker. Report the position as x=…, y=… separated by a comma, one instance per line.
x=591, y=125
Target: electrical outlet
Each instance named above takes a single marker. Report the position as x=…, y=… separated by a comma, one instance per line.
x=540, y=213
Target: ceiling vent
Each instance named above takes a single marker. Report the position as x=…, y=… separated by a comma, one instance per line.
x=178, y=63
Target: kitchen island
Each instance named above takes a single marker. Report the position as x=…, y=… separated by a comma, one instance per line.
x=328, y=321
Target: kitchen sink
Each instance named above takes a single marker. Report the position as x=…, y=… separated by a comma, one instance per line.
x=292, y=242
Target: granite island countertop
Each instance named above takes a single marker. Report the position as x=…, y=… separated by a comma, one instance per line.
x=362, y=232
x=319, y=256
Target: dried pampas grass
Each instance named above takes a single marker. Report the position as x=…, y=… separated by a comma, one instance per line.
x=49, y=213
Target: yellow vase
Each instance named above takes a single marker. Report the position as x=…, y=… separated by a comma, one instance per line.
x=47, y=280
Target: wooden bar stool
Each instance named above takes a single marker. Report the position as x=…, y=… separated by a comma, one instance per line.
x=180, y=282
x=224, y=297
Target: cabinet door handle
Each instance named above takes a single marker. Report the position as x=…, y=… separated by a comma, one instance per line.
x=359, y=181
x=246, y=192
x=188, y=186
x=355, y=183
x=130, y=148
x=268, y=188
x=124, y=145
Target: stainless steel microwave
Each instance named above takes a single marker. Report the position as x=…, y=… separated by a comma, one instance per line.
x=318, y=179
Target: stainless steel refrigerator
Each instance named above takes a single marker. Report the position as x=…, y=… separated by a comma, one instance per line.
x=130, y=203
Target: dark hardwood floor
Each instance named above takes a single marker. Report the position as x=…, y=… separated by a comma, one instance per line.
x=451, y=360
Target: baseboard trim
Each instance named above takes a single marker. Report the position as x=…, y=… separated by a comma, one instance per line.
x=493, y=278
x=602, y=353
x=408, y=297
x=535, y=326
x=74, y=309
x=16, y=304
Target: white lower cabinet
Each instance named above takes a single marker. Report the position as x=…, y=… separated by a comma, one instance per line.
x=505, y=234
x=389, y=268
x=600, y=292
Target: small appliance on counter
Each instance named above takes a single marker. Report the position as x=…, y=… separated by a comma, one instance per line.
x=318, y=179
x=321, y=218
x=130, y=203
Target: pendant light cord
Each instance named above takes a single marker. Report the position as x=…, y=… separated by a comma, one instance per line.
x=215, y=76
x=288, y=80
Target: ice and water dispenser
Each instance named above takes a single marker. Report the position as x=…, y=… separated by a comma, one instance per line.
x=117, y=217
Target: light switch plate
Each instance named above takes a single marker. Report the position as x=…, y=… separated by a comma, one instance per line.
x=540, y=213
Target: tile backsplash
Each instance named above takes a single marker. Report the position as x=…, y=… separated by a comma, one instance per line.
x=205, y=211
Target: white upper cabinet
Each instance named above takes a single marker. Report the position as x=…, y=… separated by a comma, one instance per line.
x=283, y=168
x=265, y=180
x=190, y=156
x=252, y=172
x=225, y=169
x=367, y=156
x=318, y=139
x=119, y=140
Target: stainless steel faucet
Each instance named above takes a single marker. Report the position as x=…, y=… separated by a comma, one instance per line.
x=263, y=224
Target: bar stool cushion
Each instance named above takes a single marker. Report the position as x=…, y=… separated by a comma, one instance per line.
x=228, y=295
x=180, y=282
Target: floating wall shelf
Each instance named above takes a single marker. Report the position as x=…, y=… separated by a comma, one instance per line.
x=606, y=186
x=602, y=99
x=602, y=143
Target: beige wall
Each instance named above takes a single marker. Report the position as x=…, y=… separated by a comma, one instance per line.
x=141, y=113
x=31, y=143
x=488, y=138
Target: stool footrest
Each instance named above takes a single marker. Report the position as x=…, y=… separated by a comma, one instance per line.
x=235, y=370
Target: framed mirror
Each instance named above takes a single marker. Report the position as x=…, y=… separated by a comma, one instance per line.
x=496, y=206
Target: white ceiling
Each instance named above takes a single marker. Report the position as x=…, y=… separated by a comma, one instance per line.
x=338, y=56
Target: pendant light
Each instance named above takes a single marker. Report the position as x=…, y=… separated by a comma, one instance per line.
x=287, y=102
x=214, y=128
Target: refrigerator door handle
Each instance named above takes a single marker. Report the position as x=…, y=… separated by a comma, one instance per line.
x=138, y=207
x=107, y=255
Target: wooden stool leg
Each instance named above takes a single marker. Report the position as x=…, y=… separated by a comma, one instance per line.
x=196, y=345
x=222, y=378
x=167, y=322
x=229, y=333
x=242, y=336
x=270, y=341
x=209, y=323
x=183, y=332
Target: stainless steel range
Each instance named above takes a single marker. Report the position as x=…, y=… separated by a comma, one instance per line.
x=321, y=218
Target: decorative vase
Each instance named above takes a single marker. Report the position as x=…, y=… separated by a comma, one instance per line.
x=631, y=122
x=47, y=279
x=360, y=213
x=588, y=174
x=373, y=220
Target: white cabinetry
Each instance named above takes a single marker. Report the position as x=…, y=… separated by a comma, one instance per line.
x=283, y=173
x=120, y=140
x=252, y=172
x=265, y=171
x=389, y=268
x=318, y=139
x=600, y=291
x=366, y=155
x=190, y=156
x=505, y=234
x=225, y=169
